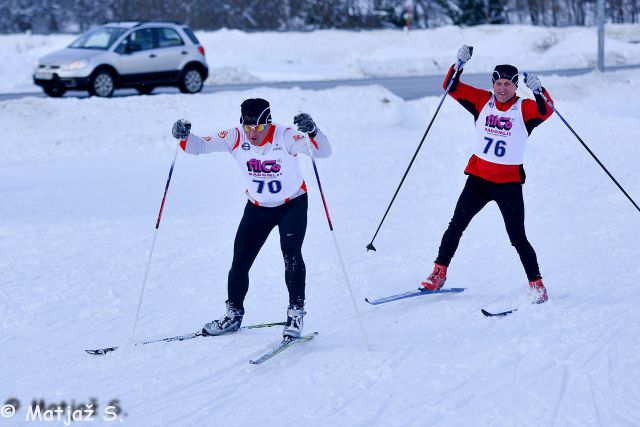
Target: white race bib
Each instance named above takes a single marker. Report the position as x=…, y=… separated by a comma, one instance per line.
x=273, y=177
x=501, y=137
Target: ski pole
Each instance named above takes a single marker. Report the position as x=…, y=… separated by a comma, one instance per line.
x=555, y=110
x=153, y=244
x=459, y=66
x=335, y=242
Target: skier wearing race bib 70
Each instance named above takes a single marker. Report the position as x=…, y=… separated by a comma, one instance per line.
x=503, y=123
x=266, y=154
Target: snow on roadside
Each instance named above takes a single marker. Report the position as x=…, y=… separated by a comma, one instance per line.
x=238, y=57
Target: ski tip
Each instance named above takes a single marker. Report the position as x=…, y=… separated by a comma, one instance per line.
x=501, y=314
x=446, y=290
x=101, y=352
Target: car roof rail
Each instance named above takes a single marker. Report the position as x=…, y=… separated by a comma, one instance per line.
x=159, y=22
x=132, y=22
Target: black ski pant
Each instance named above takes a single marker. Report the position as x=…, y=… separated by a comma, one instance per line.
x=476, y=194
x=255, y=226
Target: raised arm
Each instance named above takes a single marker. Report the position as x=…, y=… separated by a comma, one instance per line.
x=222, y=141
x=471, y=98
x=535, y=112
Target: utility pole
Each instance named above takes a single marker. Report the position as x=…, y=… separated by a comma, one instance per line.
x=407, y=15
x=600, y=18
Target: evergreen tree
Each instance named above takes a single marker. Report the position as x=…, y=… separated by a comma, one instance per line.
x=472, y=12
x=497, y=12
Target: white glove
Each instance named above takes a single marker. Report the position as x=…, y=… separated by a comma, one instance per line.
x=464, y=54
x=533, y=82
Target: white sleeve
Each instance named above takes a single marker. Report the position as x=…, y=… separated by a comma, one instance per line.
x=297, y=143
x=223, y=141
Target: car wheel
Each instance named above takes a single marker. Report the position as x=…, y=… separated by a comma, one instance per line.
x=145, y=89
x=102, y=84
x=191, y=81
x=55, y=92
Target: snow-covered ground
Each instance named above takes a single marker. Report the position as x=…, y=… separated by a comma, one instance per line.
x=81, y=182
x=235, y=56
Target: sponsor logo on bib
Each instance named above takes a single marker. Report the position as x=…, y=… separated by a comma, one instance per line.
x=268, y=166
x=501, y=123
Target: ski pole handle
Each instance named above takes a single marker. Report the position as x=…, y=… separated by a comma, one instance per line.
x=535, y=92
x=460, y=64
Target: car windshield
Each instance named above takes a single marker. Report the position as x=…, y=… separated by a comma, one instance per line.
x=101, y=38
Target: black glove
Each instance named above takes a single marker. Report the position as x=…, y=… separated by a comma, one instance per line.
x=455, y=75
x=181, y=129
x=305, y=124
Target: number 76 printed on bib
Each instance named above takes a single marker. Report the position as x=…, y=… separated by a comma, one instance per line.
x=499, y=149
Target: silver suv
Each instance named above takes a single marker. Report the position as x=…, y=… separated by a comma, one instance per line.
x=142, y=55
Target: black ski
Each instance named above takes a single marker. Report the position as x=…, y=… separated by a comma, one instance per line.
x=502, y=313
x=103, y=351
x=282, y=346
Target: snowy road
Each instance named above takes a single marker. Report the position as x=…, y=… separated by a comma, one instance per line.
x=407, y=88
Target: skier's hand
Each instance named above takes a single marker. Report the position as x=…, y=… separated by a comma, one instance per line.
x=305, y=124
x=181, y=129
x=533, y=82
x=464, y=54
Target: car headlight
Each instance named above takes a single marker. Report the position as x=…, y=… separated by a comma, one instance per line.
x=75, y=65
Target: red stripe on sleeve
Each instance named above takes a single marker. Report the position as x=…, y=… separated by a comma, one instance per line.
x=237, y=140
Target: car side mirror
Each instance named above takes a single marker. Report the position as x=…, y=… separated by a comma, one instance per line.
x=122, y=48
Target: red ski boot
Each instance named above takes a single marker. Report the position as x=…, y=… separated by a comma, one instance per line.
x=538, y=292
x=436, y=280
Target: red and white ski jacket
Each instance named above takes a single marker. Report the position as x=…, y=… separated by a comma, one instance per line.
x=271, y=170
x=532, y=112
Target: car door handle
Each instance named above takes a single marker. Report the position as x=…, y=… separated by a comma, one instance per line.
x=184, y=52
x=152, y=55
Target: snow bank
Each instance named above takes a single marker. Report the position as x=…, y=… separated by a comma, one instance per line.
x=80, y=184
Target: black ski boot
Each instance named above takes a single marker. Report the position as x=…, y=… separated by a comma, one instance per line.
x=295, y=315
x=230, y=322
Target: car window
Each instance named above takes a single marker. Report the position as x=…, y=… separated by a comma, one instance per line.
x=168, y=37
x=141, y=40
x=102, y=38
x=190, y=34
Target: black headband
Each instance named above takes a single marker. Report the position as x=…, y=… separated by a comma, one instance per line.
x=505, y=71
x=255, y=111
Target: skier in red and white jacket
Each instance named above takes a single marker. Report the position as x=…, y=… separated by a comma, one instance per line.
x=266, y=154
x=503, y=123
